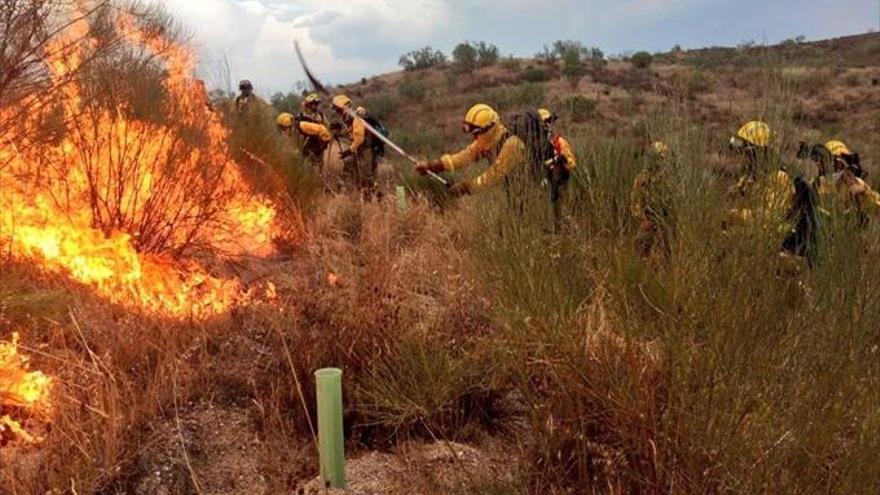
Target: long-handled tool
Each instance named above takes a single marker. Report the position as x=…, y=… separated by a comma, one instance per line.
x=351, y=113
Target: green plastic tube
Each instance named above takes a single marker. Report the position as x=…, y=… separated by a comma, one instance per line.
x=401, y=199
x=331, y=439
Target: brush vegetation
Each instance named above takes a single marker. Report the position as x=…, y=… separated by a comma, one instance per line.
x=716, y=369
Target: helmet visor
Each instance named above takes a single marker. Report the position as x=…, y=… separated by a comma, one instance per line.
x=474, y=130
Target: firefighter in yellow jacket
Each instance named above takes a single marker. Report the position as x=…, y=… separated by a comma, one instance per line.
x=840, y=176
x=560, y=166
x=753, y=141
x=312, y=128
x=315, y=136
x=564, y=153
x=650, y=202
x=359, y=159
x=491, y=141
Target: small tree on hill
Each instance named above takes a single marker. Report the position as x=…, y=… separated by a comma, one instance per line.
x=468, y=56
x=487, y=54
x=642, y=60
x=424, y=58
x=575, y=57
x=464, y=57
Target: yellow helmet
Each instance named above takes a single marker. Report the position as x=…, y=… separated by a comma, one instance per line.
x=659, y=148
x=480, y=117
x=837, y=148
x=361, y=111
x=756, y=133
x=545, y=115
x=341, y=101
x=312, y=99
x=284, y=120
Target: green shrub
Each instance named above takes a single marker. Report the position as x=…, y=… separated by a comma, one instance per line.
x=642, y=60
x=580, y=108
x=422, y=140
x=382, y=105
x=412, y=89
x=487, y=54
x=575, y=51
x=698, y=81
x=429, y=390
x=464, y=57
x=469, y=55
x=536, y=75
x=529, y=95
x=573, y=73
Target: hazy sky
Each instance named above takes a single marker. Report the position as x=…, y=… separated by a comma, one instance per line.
x=347, y=39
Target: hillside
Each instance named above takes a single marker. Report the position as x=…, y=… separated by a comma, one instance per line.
x=832, y=88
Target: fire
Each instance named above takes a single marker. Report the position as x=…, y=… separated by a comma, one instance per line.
x=20, y=389
x=116, y=200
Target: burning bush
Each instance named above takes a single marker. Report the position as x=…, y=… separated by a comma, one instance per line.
x=110, y=170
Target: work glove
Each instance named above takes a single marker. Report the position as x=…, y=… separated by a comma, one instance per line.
x=460, y=189
x=425, y=167
x=345, y=154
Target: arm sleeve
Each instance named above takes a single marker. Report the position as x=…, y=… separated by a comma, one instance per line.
x=868, y=198
x=463, y=158
x=358, y=133
x=568, y=153
x=316, y=130
x=511, y=154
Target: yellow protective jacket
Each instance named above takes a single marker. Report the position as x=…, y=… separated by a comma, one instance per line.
x=562, y=147
x=506, y=152
x=358, y=134
x=318, y=131
x=858, y=194
x=640, y=197
x=777, y=201
x=867, y=198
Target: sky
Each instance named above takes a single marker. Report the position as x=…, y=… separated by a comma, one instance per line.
x=344, y=40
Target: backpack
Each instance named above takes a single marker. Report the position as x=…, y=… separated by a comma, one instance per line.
x=530, y=130
x=377, y=145
x=806, y=237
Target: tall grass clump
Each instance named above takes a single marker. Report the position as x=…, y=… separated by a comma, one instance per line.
x=387, y=298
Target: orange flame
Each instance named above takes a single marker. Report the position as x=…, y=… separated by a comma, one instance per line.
x=20, y=389
x=85, y=205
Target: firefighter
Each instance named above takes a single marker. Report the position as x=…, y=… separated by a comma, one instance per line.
x=359, y=159
x=831, y=157
x=559, y=167
x=753, y=141
x=491, y=141
x=312, y=128
x=650, y=202
x=246, y=98
x=841, y=177
x=285, y=123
